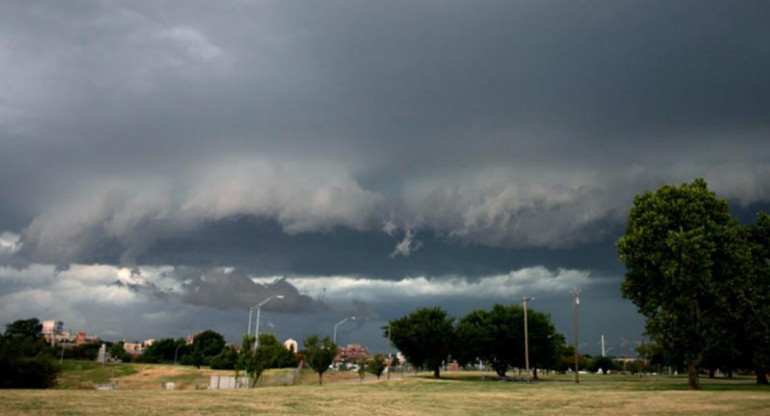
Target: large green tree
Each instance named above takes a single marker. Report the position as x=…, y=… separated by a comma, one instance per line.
x=426, y=337
x=497, y=337
x=208, y=344
x=684, y=258
x=319, y=354
x=755, y=342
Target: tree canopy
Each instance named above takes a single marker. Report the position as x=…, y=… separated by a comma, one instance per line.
x=684, y=260
x=497, y=337
x=755, y=341
x=166, y=350
x=425, y=337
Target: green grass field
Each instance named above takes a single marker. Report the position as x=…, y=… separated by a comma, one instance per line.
x=458, y=393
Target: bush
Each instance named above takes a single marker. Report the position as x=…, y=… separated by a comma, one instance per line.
x=25, y=359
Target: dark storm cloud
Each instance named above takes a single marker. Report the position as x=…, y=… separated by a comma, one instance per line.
x=261, y=248
x=507, y=124
x=234, y=289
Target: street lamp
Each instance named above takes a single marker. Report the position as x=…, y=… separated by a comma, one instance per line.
x=258, y=308
x=526, y=336
x=340, y=323
x=176, y=351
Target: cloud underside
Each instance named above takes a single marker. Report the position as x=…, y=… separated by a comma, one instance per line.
x=122, y=221
x=45, y=288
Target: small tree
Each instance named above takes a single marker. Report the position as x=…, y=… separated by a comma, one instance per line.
x=362, y=368
x=320, y=354
x=376, y=365
x=269, y=354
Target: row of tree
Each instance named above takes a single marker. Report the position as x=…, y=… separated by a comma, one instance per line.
x=428, y=337
x=701, y=279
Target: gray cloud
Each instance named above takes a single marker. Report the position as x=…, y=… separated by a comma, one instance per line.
x=227, y=289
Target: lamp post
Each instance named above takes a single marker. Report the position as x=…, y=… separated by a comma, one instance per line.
x=176, y=351
x=526, y=336
x=340, y=323
x=251, y=311
x=258, y=307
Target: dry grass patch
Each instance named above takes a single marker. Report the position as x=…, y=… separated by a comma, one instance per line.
x=406, y=397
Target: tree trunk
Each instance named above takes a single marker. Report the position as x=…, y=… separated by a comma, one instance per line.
x=729, y=373
x=320, y=379
x=692, y=375
x=762, y=377
x=534, y=374
x=711, y=373
x=436, y=372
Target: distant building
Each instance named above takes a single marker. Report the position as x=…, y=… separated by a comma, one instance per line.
x=82, y=338
x=290, y=344
x=63, y=337
x=191, y=338
x=351, y=353
x=51, y=329
x=133, y=347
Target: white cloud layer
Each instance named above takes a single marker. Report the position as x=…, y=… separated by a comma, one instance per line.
x=516, y=283
x=74, y=293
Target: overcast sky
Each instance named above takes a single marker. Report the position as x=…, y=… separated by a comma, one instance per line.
x=164, y=163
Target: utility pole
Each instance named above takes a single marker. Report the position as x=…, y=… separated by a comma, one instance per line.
x=526, y=337
x=575, y=303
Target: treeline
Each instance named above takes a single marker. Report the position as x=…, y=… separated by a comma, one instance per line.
x=701, y=279
x=26, y=360
x=429, y=337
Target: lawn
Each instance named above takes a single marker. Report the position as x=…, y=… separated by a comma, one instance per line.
x=457, y=394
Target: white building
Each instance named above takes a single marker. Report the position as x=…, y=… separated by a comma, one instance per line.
x=52, y=327
x=290, y=343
